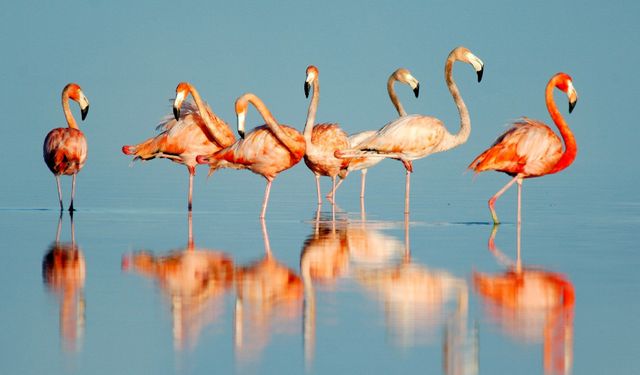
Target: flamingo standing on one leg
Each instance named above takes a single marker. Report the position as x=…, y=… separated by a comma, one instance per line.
x=362, y=164
x=322, y=140
x=530, y=148
x=65, y=149
x=267, y=150
x=417, y=136
x=195, y=132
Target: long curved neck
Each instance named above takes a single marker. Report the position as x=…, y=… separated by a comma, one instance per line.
x=203, y=109
x=67, y=111
x=394, y=98
x=571, y=149
x=311, y=112
x=271, y=122
x=465, y=122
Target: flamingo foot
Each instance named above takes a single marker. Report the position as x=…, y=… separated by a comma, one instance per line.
x=71, y=209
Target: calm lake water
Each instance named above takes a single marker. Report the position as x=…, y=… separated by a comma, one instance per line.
x=329, y=292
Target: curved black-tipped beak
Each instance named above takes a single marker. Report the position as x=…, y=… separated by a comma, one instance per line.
x=307, y=88
x=84, y=112
x=479, y=73
x=572, y=105
x=176, y=113
x=241, y=133
x=416, y=91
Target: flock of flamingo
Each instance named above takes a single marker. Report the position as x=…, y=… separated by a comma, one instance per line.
x=195, y=135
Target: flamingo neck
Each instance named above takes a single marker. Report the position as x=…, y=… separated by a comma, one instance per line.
x=272, y=123
x=67, y=111
x=465, y=122
x=202, y=108
x=394, y=98
x=571, y=149
x=311, y=112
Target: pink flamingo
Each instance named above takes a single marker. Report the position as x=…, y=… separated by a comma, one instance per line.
x=195, y=132
x=322, y=140
x=416, y=136
x=267, y=150
x=362, y=164
x=65, y=149
x=530, y=148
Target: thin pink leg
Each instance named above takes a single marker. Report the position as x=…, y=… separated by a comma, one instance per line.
x=192, y=171
x=73, y=192
x=59, y=192
x=318, y=190
x=519, y=225
x=190, y=230
x=332, y=196
x=266, y=199
x=265, y=236
x=407, y=190
x=363, y=181
x=492, y=201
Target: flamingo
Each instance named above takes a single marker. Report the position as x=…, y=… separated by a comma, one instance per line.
x=362, y=164
x=65, y=149
x=267, y=150
x=416, y=136
x=530, y=148
x=184, y=136
x=322, y=140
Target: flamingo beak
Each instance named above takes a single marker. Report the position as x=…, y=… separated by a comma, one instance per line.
x=84, y=112
x=307, y=88
x=572, y=105
x=241, y=133
x=480, y=72
x=416, y=91
x=176, y=113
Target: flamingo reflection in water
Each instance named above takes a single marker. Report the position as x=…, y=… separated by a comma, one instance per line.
x=63, y=271
x=415, y=299
x=268, y=299
x=194, y=279
x=531, y=305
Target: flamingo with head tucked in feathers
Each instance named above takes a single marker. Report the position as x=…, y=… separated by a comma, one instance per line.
x=65, y=149
x=193, y=130
x=414, y=137
x=530, y=148
x=267, y=150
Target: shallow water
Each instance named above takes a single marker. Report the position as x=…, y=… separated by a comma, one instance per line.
x=336, y=294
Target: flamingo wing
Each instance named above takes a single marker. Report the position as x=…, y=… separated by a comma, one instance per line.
x=529, y=147
x=325, y=140
x=408, y=137
x=65, y=150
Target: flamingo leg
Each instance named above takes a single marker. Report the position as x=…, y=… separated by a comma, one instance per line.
x=363, y=181
x=492, y=201
x=318, y=190
x=407, y=188
x=331, y=196
x=73, y=192
x=59, y=192
x=267, y=190
x=192, y=172
x=519, y=225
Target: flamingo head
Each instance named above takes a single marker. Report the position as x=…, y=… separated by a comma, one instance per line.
x=463, y=54
x=564, y=83
x=241, y=112
x=404, y=75
x=312, y=75
x=74, y=92
x=182, y=91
